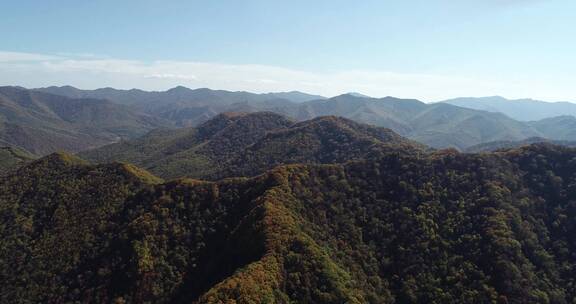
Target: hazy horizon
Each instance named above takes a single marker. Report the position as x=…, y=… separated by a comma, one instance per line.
x=292, y=91
x=426, y=50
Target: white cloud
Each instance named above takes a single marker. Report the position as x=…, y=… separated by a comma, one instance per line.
x=19, y=57
x=37, y=70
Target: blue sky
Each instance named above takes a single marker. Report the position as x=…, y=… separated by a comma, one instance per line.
x=428, y=49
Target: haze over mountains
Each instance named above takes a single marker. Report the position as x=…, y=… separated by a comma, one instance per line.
x=433, y=124
x=187, y=107
x=42, y=123
x=505, y=145
x=519, y=109
x=65, y=118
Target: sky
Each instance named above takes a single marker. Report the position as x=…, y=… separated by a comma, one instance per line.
x=427, y=49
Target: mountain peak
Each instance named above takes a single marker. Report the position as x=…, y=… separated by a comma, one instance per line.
x=58, y=160
x=250, y=121
x=295, y=96
x=356, y=94
x=346, y=96
x=179, y=89
x=139, y=173
x=68, y=87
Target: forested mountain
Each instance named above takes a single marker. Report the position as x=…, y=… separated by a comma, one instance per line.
x=42, y=123
x=401, y=228
x=241, y=144
x=519, y=109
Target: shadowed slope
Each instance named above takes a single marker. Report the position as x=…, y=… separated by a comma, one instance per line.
x=447, y=227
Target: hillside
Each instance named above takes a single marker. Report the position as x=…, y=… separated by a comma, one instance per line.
x=294, y=96
x=436, y=125
x=188, y=107
x=441, y=125
x=557, y=128
x=11, y=158
x=322, y=140
x=240, y=144
x=502, y=145
x=449, y=227
x=519, y=109
x=42, y=123
x=386, y=112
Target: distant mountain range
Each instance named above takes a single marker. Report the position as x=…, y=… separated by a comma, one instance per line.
x=519, y=109
x=42, y=123
x=505, y=145
x=176, y=94
x=437, y=125
x=187, y=107
x=66, y=118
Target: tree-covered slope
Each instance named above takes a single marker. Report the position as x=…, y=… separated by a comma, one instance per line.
x=240, y=144
x=322, y=140
x=11, y=158
x=193, y=152
x=55, y=213
x=442, y=228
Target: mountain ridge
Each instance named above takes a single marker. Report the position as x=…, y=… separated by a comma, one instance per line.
x=238, y=144
x=439, y=125
x=42, y=123
x=521, y=109
x=399, y=228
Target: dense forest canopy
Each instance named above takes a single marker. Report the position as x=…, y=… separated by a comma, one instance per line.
x=401, y=228
x=247, y=144
x=288, y=152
